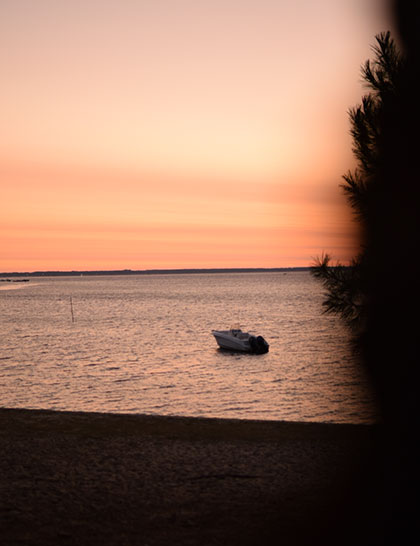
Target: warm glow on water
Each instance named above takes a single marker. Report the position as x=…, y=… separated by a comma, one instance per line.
x=143, y=344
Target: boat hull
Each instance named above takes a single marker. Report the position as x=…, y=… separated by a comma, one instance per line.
x=225, y=340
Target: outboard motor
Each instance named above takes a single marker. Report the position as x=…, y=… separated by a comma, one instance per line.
x=262, y=345
x=253, y=343
x=258, y=345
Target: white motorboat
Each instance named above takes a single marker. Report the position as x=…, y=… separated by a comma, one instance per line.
x=236, y=340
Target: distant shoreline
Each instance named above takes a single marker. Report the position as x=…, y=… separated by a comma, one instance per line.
x=14, y=280
x=152, y=272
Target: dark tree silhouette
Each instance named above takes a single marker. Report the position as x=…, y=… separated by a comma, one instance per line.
x=379, y=292
x=347, y=291
x=343, y=294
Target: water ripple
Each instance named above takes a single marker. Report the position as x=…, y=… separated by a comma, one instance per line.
x=143, y=345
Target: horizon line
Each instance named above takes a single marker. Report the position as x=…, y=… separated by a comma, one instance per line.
x=99, y=272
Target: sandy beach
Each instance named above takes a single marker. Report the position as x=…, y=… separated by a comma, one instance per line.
x=84, y=478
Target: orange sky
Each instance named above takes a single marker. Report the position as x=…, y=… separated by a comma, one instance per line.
x=176, y=133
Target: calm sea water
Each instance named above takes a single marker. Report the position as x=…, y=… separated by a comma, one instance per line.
x=143, y=344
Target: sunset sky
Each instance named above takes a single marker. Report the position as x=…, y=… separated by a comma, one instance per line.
x=178, y=133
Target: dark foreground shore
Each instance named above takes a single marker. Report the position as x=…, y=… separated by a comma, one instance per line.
x=86, y=479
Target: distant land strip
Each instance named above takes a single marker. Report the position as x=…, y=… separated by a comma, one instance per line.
x=152, y=272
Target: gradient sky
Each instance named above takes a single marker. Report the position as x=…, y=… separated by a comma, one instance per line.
x=178, y=133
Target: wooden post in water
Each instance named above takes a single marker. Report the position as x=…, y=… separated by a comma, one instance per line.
x=71, y=308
